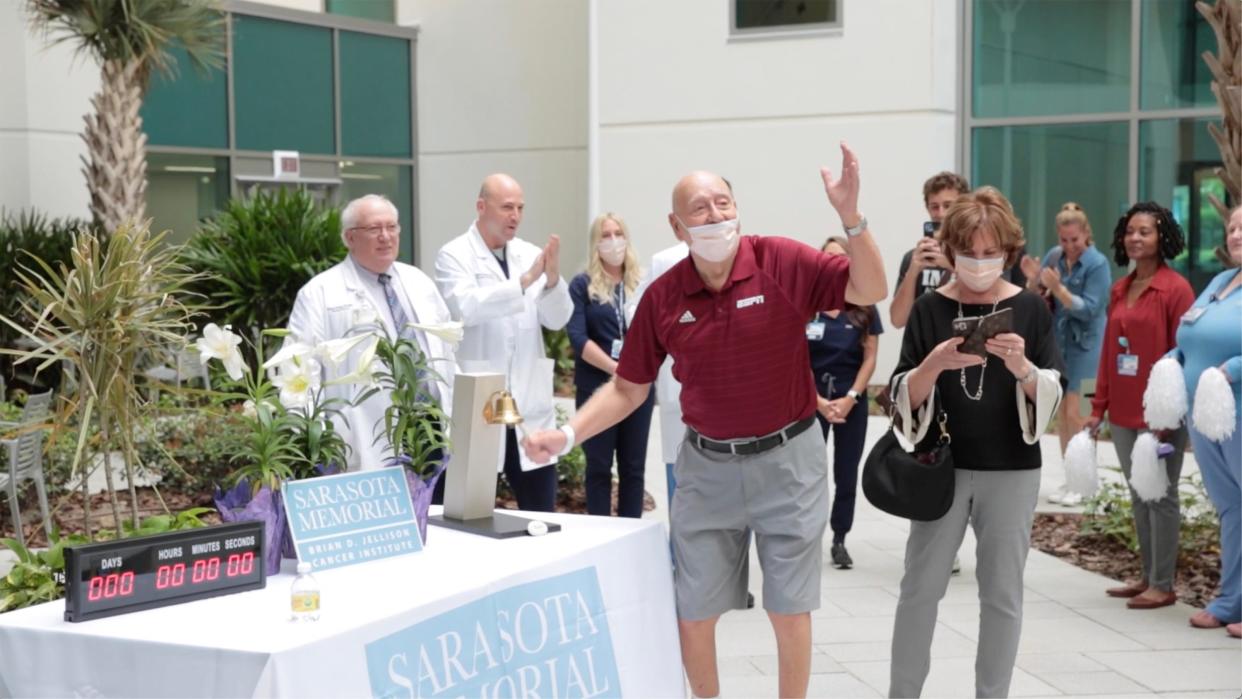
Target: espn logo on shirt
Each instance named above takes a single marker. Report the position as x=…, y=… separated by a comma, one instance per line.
x=750, y=301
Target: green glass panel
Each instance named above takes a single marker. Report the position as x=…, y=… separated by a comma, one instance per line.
x=188, y=108
x=1177, y=163
x=762, y=14
x=1041, y=167
x=375, y=121
x=378, y=10
x=282, y=83
x=183, y=190
x=392, y=181
x=1044, y=57
x=1173, y=73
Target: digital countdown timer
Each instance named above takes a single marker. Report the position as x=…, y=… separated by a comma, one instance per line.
x=117, y=577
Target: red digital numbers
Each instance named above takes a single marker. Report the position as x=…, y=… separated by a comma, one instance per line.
x=171, y=576
x=110, y=585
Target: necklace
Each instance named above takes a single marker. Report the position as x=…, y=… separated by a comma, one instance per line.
x=961, y=375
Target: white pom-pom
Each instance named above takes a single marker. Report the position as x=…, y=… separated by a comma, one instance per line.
x=1215, y=416
x=1147, y=475
x=1164, y=401
x=1081, y=473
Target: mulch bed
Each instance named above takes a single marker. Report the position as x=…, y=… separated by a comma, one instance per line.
x=1198, y=573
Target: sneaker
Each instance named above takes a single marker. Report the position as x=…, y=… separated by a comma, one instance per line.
x=957, y=565
x=841, y=557
x=1070, y=499
x=1058, y=496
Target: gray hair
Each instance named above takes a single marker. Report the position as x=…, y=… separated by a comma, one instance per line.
x=349, y=215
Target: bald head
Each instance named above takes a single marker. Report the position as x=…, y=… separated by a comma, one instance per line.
x=499, y=209
x=699, y=198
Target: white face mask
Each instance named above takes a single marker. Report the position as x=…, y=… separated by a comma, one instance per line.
x=713, y=242
x=612, y=250
x=978, y=274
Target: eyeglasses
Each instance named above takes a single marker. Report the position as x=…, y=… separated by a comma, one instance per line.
x=375, y=231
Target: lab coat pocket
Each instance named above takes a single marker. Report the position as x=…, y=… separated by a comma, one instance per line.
x=533, y=391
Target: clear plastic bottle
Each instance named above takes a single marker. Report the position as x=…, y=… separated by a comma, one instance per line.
x=304, y=594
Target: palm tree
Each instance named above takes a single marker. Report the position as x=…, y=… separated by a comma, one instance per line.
x=130, y=39
x=1225, y=18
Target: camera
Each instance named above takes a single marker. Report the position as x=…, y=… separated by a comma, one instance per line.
x=930, y=228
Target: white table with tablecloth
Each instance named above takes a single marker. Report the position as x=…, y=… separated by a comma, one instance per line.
x=586, y=611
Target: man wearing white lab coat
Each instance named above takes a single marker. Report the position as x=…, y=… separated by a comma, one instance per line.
x=503, y=289
x=340, y=301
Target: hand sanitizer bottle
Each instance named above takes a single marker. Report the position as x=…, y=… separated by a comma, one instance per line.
x=304, y=594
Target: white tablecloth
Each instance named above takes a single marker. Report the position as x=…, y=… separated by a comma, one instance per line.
x=244, y=644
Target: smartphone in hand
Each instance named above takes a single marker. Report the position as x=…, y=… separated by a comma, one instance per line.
x=930, y=228
x=979, y=329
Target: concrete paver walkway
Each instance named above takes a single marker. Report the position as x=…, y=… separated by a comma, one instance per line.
x=1076, y=641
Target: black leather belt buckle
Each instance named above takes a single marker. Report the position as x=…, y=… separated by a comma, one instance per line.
x=755, y=446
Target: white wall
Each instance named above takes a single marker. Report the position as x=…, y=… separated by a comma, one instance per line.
x=676, y=95
x=501, y=87
x=44, y=92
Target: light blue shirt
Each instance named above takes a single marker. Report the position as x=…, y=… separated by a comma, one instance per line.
x=1215, y=337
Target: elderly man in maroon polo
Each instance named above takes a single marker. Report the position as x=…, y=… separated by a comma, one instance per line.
x=733, y=317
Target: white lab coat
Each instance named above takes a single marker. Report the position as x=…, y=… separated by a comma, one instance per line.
x=502, y=323
x=668, y=390
x=333, y=304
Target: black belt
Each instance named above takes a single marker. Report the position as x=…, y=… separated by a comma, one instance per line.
x=754, y=446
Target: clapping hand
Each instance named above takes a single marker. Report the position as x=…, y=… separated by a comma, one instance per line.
x=843, y=192
x=1050, y=278
x=1030, y=267
x=552, y=260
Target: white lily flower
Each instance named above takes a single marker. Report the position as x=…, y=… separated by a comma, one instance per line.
x=298, y=381
x=364, y=372
x=249, y=410
x=296, y=351
x=221, y=343
x=451, y=332
x=336, y=351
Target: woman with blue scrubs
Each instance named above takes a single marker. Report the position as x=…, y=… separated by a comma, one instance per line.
x=843, y=346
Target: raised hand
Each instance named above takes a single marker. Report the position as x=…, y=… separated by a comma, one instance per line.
x=552, y=260
x=1050, y=278
x=1030, y=267
x=536, y=269
x=843, y=192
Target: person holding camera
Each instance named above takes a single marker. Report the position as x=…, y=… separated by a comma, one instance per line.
x=1144, y=309
x=924, y=267
x=995, y=405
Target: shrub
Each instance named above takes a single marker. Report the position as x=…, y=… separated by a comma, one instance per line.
x=257, y=254
x=23, y=235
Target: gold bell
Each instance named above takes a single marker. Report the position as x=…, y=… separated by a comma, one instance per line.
x=501, y=409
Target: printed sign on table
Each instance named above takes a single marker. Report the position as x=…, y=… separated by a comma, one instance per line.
x=351, y=518
x=547, y=638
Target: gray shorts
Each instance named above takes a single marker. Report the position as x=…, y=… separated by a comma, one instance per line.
x=780, y=494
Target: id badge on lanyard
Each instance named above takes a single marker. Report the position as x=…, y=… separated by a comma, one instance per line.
x=619, y=307
x=815, y=330
x=1127, y=364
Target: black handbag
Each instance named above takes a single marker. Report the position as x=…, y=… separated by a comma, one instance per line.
x=917, y=486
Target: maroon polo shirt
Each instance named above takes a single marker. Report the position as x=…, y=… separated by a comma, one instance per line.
x=739, y=353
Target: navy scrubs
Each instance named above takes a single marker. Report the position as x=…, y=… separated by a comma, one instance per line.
x=604, y=323
x=836, y=355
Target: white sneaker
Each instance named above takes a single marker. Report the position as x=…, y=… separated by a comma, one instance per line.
x=1057, y=497
x=1071, y=500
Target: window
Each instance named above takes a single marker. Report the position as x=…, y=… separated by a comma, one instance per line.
x=1177, y=163
x=282, y=82
x=1050, y=57
x=378, y=10
x=764, y=17
x=1173, y=73
x=1039, y=168
x=183, y=190
x=188, y=108
x=375, y=95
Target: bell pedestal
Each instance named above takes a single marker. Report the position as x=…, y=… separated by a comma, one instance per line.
x=470, y=480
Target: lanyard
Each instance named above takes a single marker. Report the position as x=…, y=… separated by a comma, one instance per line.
x=618, y=298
